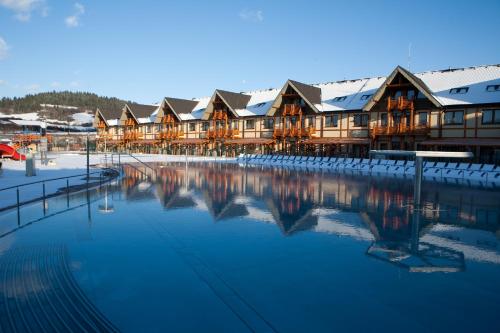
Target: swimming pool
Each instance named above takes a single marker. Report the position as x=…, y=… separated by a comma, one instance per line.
x=226, y=248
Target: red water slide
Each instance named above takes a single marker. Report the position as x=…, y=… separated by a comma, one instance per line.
x=8, y=151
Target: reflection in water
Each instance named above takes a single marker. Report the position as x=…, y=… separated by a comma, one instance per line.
x=454, y=224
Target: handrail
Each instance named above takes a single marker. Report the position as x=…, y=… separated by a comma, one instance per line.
x=49, y=180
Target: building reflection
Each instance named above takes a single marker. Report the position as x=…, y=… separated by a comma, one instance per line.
x=454, y=224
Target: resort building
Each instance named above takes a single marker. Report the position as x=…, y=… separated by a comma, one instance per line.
x=456, y=109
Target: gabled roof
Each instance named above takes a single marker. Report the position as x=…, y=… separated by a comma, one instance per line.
x=142, y=110
x=109, y=116
x=179, y=106
x=415, y=81
x=142, y=113
x=310, y=94
x=234, y=101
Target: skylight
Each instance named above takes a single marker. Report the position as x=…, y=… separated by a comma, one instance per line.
x=365, y=97
x=493, y=87
x=461, y=90
x=339, y=99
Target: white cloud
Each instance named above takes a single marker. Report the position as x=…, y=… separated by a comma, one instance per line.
x=73, y=21
x=24, y=8
x=4, y=49
x=74, y=84
x=3, y=82
x=252, y=15
x=55, y=84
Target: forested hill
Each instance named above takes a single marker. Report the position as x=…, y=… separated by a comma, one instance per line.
x=82, y=100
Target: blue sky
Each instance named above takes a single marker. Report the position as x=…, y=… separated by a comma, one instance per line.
x=144, y=50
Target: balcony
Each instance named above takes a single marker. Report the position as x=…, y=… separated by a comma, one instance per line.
x=294, y=132
x=220, y=115
x=129, y=122
x=401, y=103
x=399, y=130
x=291, y=110
x=169, y=135
x=167, y=119
x=133, y=135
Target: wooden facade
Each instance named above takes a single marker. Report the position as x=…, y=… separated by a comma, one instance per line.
x=403, y=113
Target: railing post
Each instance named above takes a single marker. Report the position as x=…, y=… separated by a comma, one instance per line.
x=43, y=203
x=18, y=209
x=67, y=191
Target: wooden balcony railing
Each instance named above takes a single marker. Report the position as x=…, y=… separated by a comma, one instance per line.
x=129, y=122
x=169, y=135
x=401, y=103
x=28, y=138
x=399, y=130
x=168, y=119
x=220, y=115
x=133, y=135
x=294, y=132
x=291, y=110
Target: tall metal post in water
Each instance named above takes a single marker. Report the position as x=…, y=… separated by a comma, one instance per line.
x=88, y=158
x=419, y=165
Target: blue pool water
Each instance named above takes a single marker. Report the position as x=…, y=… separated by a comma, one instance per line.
x=224, y=248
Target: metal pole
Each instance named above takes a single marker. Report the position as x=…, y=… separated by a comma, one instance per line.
x=88, y=157
x=418, y=181
x=44, y=203
x=67, y=191
x=18, y=210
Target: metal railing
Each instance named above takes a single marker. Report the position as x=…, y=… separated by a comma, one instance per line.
x=104, y=176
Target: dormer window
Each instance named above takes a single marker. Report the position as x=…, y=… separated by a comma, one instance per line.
x=365, y=97
x=339, y=99
x=461, y=90
x=493, y=87
x=260, y=104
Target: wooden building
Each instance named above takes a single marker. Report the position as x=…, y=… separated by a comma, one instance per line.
x=456, y=109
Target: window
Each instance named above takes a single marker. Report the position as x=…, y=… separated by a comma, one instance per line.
x=493, y=87
x=420, y=95
x=453, y=117
x=148, y=129
x=250, y=124
x=360, y=120
x=422, y=118
x=339, y=99
x=192, y=127
x=204, y=126
x=411, y=94
x=461, y=90
x=234, y=124
x=491, y=117
x=383, y=119
x=260, y=105
x=310, y=121
x=158, y=128
x=332, y=121
x=365, y=97
x=268, y=123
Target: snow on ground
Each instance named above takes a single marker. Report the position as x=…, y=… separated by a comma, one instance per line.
x=82, y=118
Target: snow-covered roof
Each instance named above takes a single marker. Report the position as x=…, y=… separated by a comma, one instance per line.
x=22, y=122
x=259, y=103
x=476, y=79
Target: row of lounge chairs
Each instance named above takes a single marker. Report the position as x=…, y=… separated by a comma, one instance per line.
x=471, y=171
